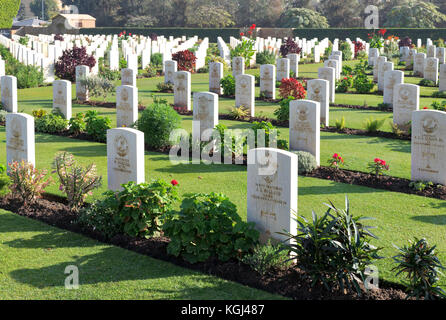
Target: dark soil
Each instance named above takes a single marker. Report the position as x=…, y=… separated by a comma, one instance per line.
x=381, y=182
x=293, y=282
x=349, y=106
x=102, y=104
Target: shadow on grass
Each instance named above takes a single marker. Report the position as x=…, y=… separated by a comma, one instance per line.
x=439, y=220
x=199, y=168
x=43, y=103
x=91, y=151
x=336, y=188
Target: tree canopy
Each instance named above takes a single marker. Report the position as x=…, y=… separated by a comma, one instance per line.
x=8, y=11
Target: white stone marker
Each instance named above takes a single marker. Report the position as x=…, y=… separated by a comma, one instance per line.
x=418, y=64
x=379, y=61
x=132, y=62
x=329, y=74
x=442, y=84
x=182, y=89
x=20, y=143
x=81, y=91
x=431, y=51
x=245, y=92
x=391, y=79
x=8, y=85
x=272, y=192
x=319, y=90
x=215, y=76
x=406, y=99
x=145, y=58
x=305, y=127
x=331, y=63
x=268, y=80
x=373, y=54
x=113, y=59
x=170, y=67
x=205, y=115
x=2, y=68
x=294, y=63
x=283, y=69
x=62, y=97
x=238, y=66
x=441, y=55
x=128, y=77
x=384, y=67
x=431, y=69
x=428, y=146
x=126, y=106
x=125, y=157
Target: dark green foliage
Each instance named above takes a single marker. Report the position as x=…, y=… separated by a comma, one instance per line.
x=8, y=10
x=334, y=248
x=51, y=123
x=228, y=85
x=266, y=57
x=4, y=181
x=271, y=135
x=156, y=59
x=421, y=266
x=97, y=126
x=283, y=112
x=347, y=53
x=157, y=121
x=362, y=84
x=427, y=83
x=206, y=226
x=77, y=124
x=306, y=162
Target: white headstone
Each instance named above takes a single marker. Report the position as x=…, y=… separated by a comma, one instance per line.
x=126, y=106
x=331, y=63
x=373, y=53
x=215, y=76
x=283, y=69
x=384, y=67
x=20, y=143
x=329, y=74
x=391, y=79
x=268, y=80
x=125, y=157
x=8, y=85
x=182, y=89
x=238, y=66
x=245, y=92
x=442, y=84
x=170, y=67
x=418, y=64
x=406, y=99
x=272, y=192
x=81, y=91
x=376, y=67
x=205, y=116
x=319, y=90
x=305, y=127
x=128, y=77
x=431, y=69
x=294, y=63
x=62, y=97
x=428, y=146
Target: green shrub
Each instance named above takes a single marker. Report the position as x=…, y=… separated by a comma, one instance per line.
x=228, y=85
x=420, y=264
x=97, y=126
x=340, y=124
x=98, y=86
x=283, y=112
x=334, y=249
x=157, y=121
x=5, y=181
x=8, y=11
x=420, y=185
x=217, y=59
x=362, y=84
x=77, y=124
x=306, y=162
x=270, y=139
x=139, y=208
x=342, y=85
x=436, y=105
x=427, y=83
x=122, y=63
x=165, y=87
x=244, y=49
x=75, y=181
x=28, y=77
x=267, y=258
x=439, y=94
x=156, y=59
x=373, y=125
x=3, y=114
x=266, y=57
x=51, y=123
x=346, y=49
x=206, y=226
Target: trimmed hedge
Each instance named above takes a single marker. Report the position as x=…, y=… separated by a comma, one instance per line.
x=211, y=33
x=353, y=33
x=8, y=10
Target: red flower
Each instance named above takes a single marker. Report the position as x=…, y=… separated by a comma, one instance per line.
x=241, y=34
x=174, y=182
x=250, y=32
x=335, y=156
x=124, y=32
x=253, y=26
x=130, y=34
x=377, y=160
x=425, y=108
x=382, y=31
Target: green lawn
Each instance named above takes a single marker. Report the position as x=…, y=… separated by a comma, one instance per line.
x=34, y=257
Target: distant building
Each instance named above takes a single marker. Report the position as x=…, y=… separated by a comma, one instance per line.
x=32, y=22
x=76, y=21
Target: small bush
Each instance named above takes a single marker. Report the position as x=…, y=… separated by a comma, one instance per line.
x=292, y=88
x=421, y=185
x=439, y=106
x=77, y=182
x=28, y=183
x=97, y=126
x=65, y=67
x=186, y=60
x=98, y=86
x=344, y=84
x=439, y=94
x=427, y=83
x=51, y=123
x=3, y=114
x=244, y=49
x=239, y=113
x=206, y=226
x=362, y=84
x=28, y=77
x=340, y=124
x=266, y=57
x=165, y=87
x=267, y=258
x=156, y=60
x=39, y=113
x=306, y=162
x=157, y=122
x=270, y=139
x=77, y=124
x=5, y=181
x=283, y=112
x=420, y=264
x=228, y=85
x=290, y=46
x=347, y=53
x=100, y=216
x=373, y=125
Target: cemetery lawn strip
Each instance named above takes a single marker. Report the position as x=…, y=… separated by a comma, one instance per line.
x=35, y=255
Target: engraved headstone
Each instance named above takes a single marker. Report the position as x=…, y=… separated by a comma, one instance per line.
x=294, y=63
x=418, y=64
x=391, y=79
x=182, y=89
x=125, y=157
x=384, y=67
x=170, y=67
x=8, y=85
x=128, y=77
x=238, y=66
x=329, y=75
x=205, y=115
x=268, y=80
x=319, y=90
x=373, y=53
x=215, y=76
x=442, y=84
x=20, y=143
x=406, y=99
x=126, y=106
x=82, y=72
x=283, y=69
x=431, y=69
x=244, y=92
x=62, y=97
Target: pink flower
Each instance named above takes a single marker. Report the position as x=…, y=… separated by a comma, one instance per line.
x=174, y=182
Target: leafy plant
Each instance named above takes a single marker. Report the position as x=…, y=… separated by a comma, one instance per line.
x=290, y=46
x=340, y=124
x=344, y=84
x=419, y=262
x=206, y=226
x=283, y=112
x=165, y=87
x=266, y=57
x=139, y=208
x=373, y=125
x=39, y=113
x=5, y=181
x=76, y=181
x=97, y=126
x=334, y=248
x=51, y=123
x=292, y=88
x=427, y=83
x=346, y=50
x=157, y=121
x=186, y=60
x=156, y=59
x=98, y=86
x=28, y=183
x=306, y=162
x=77, y=124
x=267, y=258
x=65, y=67
x=228, y=85
x=421, y=185
x=378, y=166
x=239, y=113
x=362, y=84
x=336, y=161
x=244, y=49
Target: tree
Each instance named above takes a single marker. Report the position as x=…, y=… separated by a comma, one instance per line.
x=8, y=10
x=303, y=18
x=21, y=14
x=50, y=8
x=209, y=16
x=346, y=13
x=415, y=14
